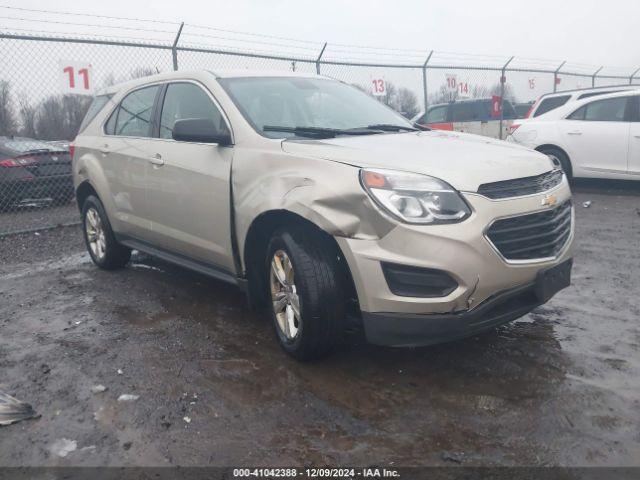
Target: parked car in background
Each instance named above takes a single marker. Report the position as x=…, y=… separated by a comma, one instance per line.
x=597, y=136
x=33, y=171
x=327, y=207
x=479, y=116
x=551, y=101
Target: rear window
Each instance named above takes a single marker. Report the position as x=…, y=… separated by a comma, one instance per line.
x=551, y=103
x=98, y=104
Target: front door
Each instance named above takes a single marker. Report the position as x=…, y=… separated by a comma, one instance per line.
x=188, y=183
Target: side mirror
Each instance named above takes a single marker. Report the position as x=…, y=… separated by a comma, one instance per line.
x=200, y=130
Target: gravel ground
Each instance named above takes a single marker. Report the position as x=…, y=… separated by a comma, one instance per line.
x=33, y=217
x=557, y=387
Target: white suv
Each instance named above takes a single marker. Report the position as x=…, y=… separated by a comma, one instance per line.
x=597, y=137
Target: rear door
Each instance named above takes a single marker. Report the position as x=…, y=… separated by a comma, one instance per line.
x=124, y=155
x=188, y=186
x=597, y=136
x=633, y=163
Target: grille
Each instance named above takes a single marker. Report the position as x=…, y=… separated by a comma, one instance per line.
x=533, y=236
x=521, y=186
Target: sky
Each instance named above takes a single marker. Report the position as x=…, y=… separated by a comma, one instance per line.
x=540, y=33
x=582, y=31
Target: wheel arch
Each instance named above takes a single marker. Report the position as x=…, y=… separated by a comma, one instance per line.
x=256, y=243
x=84, y=190
x=549, y=146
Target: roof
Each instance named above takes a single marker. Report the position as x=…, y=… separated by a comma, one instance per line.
x=592, y=89
x=181, y=74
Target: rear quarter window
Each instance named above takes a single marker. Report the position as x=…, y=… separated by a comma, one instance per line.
x=96, y=106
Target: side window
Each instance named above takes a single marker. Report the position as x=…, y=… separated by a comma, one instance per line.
x=134, y=114
x=437, y=114
x=609, y=110
x=463, y=112
x=551, y=103
x=186, y=100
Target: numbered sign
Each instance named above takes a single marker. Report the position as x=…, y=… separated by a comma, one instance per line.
x=76, y=77
x=452, y=83
x=463, y=90
x=378, y=86
x=532, y=83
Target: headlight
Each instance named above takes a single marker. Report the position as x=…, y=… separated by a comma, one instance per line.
x=414, y=198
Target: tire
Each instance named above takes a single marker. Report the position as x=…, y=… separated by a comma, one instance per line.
x=558, y=155
x=99, y=239
x=317, y=281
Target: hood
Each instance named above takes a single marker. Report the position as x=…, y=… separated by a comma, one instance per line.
x=464, y=161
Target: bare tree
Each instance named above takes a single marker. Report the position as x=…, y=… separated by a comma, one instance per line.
x=8, y=122
x=141, y=72
x=402, y=100
x=59, y=117
x=27, y=114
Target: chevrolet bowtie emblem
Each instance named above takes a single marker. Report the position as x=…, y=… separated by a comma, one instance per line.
x=549, y=201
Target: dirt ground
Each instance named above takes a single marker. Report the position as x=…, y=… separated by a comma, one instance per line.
x=558, y=387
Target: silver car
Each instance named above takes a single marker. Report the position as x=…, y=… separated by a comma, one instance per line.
x=328, y=208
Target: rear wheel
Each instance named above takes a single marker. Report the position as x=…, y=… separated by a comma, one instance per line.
x=559, y=158
x=306, y=289
x=101, y=243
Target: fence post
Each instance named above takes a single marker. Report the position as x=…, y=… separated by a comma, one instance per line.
x=174, y=48
x=593, y=77
x=503, y=80
x=424, y=83
x=555, y=76
x=319, y=57
x=633, y=75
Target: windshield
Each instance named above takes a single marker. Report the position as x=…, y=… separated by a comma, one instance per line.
x=307, y=103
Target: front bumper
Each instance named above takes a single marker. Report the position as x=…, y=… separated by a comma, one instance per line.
x=410, y=330
x=461, y=250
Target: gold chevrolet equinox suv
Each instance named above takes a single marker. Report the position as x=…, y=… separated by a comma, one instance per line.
x=328, y=208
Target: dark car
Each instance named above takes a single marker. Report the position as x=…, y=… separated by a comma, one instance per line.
x=33, y=171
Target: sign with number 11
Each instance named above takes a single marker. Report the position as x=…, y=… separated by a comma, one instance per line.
x=76, y=77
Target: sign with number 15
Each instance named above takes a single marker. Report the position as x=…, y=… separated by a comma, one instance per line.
x=76, y=77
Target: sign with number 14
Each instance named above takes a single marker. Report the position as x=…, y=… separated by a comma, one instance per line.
x=76, y=77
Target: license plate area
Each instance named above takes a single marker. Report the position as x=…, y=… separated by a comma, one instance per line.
x=552, y=280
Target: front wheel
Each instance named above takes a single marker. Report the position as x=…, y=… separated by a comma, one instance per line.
x=306, y=289
x=101, y=243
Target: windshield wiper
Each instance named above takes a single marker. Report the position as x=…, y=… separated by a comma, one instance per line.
x=390, y=127
x=318, y=132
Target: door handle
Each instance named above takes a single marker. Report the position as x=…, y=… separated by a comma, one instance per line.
x=156, y=160
x=575, y=132
x=637, y=136
x=105, y=149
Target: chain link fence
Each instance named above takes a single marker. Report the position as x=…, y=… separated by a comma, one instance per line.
x=40, y=114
